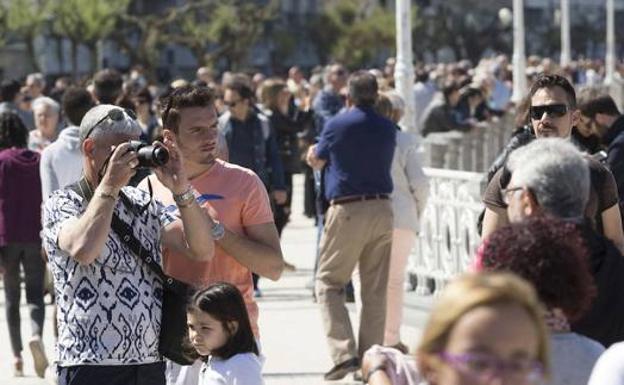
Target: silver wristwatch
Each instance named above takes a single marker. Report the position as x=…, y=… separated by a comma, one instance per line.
x=217, y=231
x=184, y=198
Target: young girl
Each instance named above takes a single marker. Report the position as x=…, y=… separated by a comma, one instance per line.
x=220, y=331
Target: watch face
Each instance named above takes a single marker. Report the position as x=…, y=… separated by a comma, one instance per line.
x=218, y=231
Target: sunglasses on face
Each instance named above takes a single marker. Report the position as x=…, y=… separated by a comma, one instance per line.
x=115, y=114
x=553, y=110
x=231, y=103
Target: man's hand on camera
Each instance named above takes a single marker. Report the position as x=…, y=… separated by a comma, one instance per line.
x=121, y=168
x=172, y=174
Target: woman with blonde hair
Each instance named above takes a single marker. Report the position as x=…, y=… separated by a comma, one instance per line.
x=484, y=327
x=287, y=120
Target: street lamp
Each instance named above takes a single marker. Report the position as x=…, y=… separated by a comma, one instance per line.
x=610, y=56
x=565, y=33
x=519, y=57
x=505, y=16
x=404, y=68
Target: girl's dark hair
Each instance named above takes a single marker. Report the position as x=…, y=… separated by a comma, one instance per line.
x=13, y=132
x=224, y=302
x=550, y=254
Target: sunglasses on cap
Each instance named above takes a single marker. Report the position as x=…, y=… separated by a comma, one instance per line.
x=114, y=114
x=553, y=110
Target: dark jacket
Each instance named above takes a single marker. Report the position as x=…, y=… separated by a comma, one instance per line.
x=614, y=138
x=519, y=138
x=287, y=128
x=252, y=144
x=441, y=117
x=604, y=321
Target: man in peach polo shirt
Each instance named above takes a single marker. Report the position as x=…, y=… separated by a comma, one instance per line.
x=245, y=236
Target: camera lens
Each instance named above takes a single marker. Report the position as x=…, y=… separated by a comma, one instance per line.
x=160, y=156
x=150, y=156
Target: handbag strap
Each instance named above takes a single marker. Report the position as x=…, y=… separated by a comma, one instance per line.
x=124, y=232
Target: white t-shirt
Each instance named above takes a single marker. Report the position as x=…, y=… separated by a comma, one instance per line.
x=241, y=369
x=609, y=370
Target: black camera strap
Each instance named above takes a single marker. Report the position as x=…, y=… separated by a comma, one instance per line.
x=124, y=232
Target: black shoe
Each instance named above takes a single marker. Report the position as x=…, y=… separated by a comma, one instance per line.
x=338, y=372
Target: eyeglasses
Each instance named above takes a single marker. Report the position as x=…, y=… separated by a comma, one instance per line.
x=231, y=103
x=484, y=367
x=506, y=192
x=553, y=110
x=115, y=114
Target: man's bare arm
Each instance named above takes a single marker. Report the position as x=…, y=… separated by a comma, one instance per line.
x=84, y=238
x=493, y=220
x=195, y=242
x=259, y=250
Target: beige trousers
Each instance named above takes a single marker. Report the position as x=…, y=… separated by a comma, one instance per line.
x=402, y=243
x=357, y=233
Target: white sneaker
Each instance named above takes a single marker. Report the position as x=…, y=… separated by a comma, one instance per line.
x=50, y=375
x=39, y=356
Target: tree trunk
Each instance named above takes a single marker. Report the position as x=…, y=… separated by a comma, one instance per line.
x=59, y=53
x=74, y=59
x=93, y=56
x=30, y=48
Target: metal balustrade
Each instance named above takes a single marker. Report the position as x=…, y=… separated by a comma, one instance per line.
x=448, y=237
x=456, y=166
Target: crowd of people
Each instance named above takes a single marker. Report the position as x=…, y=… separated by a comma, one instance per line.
x=116, y=194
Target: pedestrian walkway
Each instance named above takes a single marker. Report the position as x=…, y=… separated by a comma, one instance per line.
x=290, y=323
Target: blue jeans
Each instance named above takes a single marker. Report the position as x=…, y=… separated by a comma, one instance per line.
x=27, y=255
x=145, y=374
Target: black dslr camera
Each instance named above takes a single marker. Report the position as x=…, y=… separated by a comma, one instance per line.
x=149, y=156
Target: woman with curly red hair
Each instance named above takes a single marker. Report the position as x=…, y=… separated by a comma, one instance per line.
x=550, y=254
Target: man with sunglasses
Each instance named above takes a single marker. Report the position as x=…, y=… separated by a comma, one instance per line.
x=109, y=300
x=251, y=140
x=601, y=115
x=553, y=113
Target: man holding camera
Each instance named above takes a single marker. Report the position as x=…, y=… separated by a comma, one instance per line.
x=109, y=301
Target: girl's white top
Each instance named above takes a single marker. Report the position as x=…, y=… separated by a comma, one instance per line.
x=241, y=369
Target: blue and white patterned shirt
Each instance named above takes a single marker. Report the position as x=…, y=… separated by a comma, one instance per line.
x=109, y=311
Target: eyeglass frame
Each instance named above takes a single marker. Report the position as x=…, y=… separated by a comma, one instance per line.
x=506, y=191
x=232, y=103
x=459, y=361
x=549, y=110
x=113, y=114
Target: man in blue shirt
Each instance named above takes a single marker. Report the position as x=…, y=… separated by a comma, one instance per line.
x=356, y=147
x=329, y=102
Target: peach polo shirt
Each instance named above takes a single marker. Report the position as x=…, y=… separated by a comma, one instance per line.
x=236, y=197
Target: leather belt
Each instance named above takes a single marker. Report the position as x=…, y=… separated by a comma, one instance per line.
x=359, y=198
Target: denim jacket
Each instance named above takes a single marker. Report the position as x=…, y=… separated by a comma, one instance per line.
x=252, y=144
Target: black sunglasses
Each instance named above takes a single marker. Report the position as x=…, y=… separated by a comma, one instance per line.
x=232, y=103
x=115, y=114
x=553, y=110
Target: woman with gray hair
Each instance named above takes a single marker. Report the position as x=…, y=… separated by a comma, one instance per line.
x=411, y=190
x=47, y=113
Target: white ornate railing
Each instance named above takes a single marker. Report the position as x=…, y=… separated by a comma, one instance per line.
x=456, y=165
x=448, y=237
x=471, y=151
